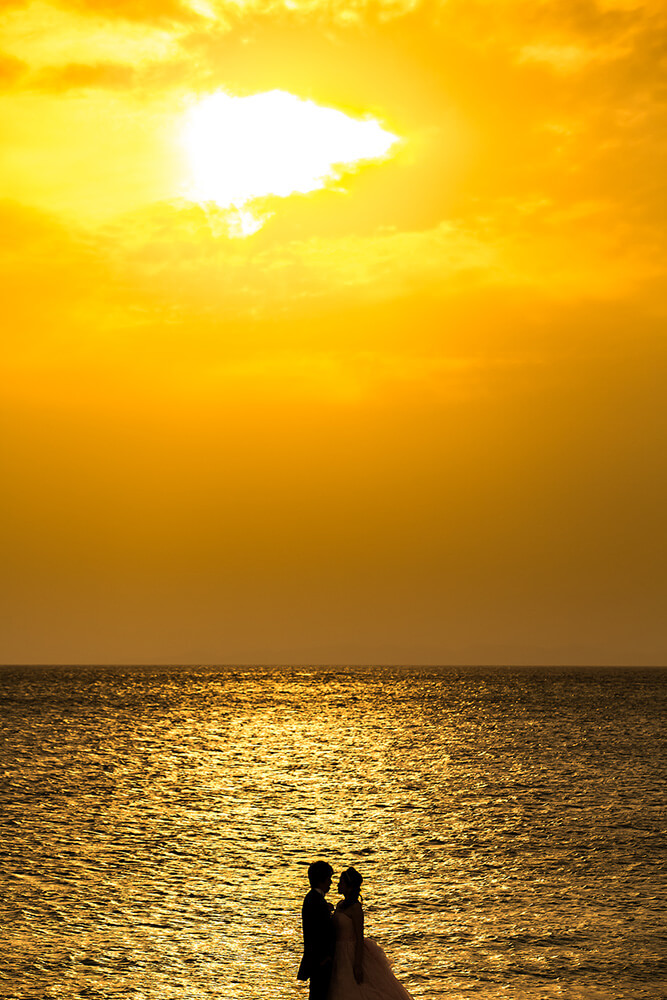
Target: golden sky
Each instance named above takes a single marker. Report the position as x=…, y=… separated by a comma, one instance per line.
x=414, y=412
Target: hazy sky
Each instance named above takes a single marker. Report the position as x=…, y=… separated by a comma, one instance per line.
x=418, y=415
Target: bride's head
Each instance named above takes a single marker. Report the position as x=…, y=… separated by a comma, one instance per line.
x=349, y=885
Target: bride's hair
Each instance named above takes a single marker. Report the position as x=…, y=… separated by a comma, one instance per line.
x=354, y=880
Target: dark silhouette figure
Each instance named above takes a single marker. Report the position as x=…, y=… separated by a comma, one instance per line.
x=319, y=936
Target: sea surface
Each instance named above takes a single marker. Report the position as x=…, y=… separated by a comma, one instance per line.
x=157, y=824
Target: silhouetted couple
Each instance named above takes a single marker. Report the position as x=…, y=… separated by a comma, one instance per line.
x=339, y=961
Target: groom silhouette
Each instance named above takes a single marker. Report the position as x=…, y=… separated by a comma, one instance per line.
x=319, y=939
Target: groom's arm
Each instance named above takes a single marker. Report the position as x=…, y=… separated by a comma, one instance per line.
x=323, y=929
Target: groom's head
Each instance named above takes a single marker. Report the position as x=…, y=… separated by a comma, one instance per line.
x=319, y=875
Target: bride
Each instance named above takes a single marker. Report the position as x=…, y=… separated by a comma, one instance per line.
x=360, y=970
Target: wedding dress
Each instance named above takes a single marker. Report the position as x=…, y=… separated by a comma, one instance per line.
x=379, y=981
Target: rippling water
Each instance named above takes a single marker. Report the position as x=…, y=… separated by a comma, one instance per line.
x=157, y=824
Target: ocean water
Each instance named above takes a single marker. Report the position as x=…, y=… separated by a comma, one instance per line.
x=157, y=824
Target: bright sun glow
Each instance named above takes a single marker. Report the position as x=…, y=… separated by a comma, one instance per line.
x=244, y=148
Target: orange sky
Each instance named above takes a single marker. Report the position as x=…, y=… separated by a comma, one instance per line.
x=418, y=416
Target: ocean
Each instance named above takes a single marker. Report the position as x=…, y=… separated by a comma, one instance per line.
x=157, y=823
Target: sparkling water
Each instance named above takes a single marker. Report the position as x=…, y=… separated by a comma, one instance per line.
x=157, y=825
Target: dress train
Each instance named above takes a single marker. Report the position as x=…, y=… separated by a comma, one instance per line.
x=379, y=982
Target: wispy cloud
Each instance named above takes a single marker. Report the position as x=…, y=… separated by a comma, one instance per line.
x=11, y=70
x=84, y=76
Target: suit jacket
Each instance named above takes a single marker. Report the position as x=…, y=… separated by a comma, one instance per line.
x=319, y=936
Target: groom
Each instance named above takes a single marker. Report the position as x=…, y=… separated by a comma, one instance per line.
x=319, y=940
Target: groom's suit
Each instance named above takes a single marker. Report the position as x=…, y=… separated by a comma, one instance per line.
x=319, y=943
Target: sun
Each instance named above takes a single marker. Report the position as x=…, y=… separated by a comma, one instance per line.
x=241, y=149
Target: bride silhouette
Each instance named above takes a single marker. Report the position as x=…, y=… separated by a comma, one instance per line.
x=361, y=970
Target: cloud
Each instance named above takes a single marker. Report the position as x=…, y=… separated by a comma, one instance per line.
x=56, y=287
x=156, y=12
x=149, y=11
x=511, y=172
x=179, y=255
x=163, y=298
x=11, y=70
x=44, y=36
x=82, y=76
